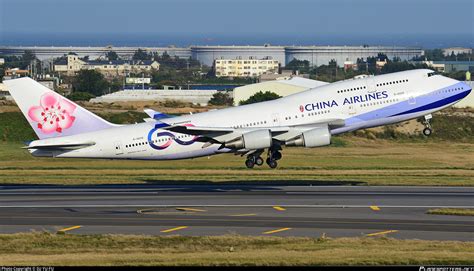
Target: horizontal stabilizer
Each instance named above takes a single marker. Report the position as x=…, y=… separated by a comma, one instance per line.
x=155, y=114
x=63, y=146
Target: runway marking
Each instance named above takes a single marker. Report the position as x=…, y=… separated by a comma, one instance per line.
x=244, y=215
x=174, y=229
x=374, y=208
x=141, y=211
x=279, y=208
x=277, y=230
x=250, y=220
x=68, y=229
x=381, y=233
x=190, y=209
x=228, y=205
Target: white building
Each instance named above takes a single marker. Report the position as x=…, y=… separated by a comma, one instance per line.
x=469, y=100
x=194, y=96
x=281, y=87
x=245, y=67
x=73, y=64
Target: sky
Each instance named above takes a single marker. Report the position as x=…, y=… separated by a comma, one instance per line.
x=238, y=17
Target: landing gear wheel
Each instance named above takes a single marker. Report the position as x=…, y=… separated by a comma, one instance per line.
x=272, y=163
x=259, y=161
x=249, y=163
x=427, y=131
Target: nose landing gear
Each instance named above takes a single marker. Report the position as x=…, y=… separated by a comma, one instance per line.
x=428, y=130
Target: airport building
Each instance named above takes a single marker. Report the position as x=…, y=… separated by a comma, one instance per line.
x=322, y=55
x=450, y=66
x=316, y=55
x=73, y=64
x=245, y=67
x=48, y=53
x=200, y=97
x=207, y=54
x=283, y=87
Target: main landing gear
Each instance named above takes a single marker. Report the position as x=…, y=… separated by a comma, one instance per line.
x=428, y=130
x=273, y=155
x=255, y=158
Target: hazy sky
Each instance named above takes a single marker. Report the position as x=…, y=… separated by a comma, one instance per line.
x=238, y=17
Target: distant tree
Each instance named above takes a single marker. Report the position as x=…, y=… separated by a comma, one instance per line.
x=260, y=97
x=382, y=57
x=221, y=98
x=28, y=56
x=141, y=55
x=2, y=73
x=90, y=81
x=458, y=75
x=111, y=55
x=396, y=59
x=298, y=65
x=401, y=66
x=85, y=58
x=432, y=55
x=80, y=96
x=165, y=56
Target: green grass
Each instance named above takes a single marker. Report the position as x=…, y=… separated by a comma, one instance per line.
x=66, y=249
x=359, y=162
x=349, y=160
x=451, y=211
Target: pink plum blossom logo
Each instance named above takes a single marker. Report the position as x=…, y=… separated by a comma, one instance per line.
x=54, y=114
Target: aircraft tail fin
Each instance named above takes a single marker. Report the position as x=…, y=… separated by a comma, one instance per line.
x=50, y=114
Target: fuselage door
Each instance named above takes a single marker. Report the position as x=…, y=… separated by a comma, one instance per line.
x=352, y=109
x=412, y=100
x=118, y=148
x=275, y=119
x=369, y=81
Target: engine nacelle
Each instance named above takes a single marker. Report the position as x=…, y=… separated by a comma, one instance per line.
x=259, y=139
x=313, y=138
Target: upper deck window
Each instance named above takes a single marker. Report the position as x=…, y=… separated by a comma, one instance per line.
x=432, y=73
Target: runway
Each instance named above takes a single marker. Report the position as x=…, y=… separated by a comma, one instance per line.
x=335, y=211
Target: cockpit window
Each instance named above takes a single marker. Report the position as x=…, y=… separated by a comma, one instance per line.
x=432, y=73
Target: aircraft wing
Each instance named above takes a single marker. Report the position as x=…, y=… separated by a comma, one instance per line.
x=202, y=130
x=223, y=135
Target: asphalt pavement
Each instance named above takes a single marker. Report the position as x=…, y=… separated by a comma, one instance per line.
x=335, y=211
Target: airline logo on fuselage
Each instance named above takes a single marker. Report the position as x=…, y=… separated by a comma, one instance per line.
x=380, y=95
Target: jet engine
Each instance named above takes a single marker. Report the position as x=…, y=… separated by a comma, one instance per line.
x=259, y=139
x=316, y=137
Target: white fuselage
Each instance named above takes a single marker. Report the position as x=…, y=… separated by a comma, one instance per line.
x=361, y=103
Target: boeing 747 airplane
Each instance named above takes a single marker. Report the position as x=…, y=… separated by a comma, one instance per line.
x=306, y=119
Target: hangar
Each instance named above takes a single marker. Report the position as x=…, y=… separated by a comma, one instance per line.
x=283, y=87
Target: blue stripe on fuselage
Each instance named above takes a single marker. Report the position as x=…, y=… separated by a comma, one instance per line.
x=437, y=104
x=426, y=102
